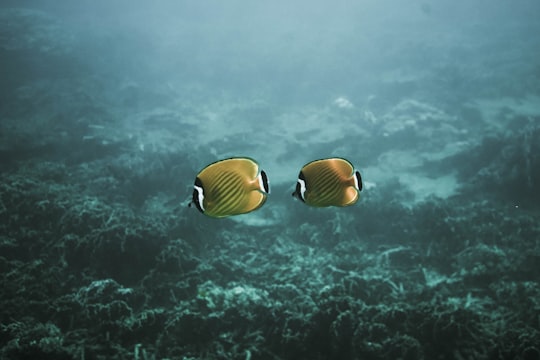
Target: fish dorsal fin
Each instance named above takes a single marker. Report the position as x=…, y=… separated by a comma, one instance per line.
x=242, y=166
x=339, y=167
x=342, y=167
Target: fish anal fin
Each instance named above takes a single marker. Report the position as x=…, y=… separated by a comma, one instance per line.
x=351, y=196
x=255, y=200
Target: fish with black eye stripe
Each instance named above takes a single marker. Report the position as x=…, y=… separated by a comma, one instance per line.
x=328, y=182
x=230, y=187
x=238, y=186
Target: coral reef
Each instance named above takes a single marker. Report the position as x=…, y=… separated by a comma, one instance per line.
x=100, y=257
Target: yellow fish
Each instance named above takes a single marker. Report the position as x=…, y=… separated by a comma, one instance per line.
x=230, y=187
x=328, y=182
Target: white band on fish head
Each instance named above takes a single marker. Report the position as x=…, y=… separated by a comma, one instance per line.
x=357, y=180
x=302, y=191
x=264, y=183
x=200, y=197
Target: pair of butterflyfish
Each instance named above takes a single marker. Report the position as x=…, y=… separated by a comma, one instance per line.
x=238, y=186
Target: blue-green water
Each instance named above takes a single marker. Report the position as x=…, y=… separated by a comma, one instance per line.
x=108, y=110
